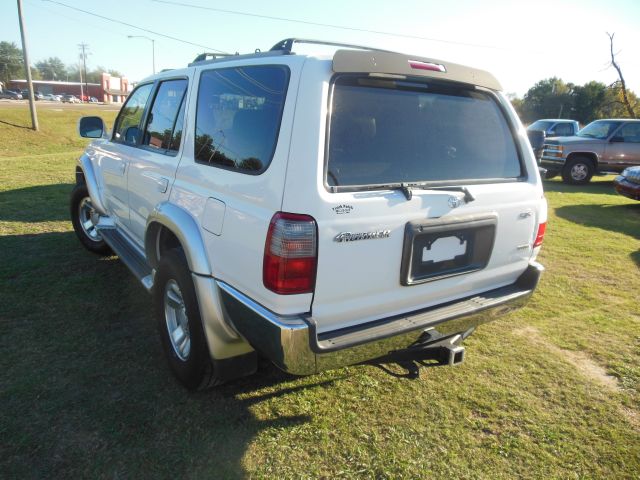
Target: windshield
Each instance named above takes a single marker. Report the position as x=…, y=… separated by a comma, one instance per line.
x=393, y=131
x=540, y=125
x=599, y=129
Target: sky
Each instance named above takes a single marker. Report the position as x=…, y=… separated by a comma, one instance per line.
x=520, y=42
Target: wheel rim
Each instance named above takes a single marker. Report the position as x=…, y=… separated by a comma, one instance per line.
x=579, y=171
x=175, y=314
x=85, y=213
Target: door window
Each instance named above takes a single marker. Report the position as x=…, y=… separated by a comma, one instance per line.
x=161, y=123
x=127, y=126
x=630, y=133
x=563, y=130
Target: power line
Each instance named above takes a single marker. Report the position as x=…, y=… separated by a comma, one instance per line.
x=133, y=26
x=339, y=27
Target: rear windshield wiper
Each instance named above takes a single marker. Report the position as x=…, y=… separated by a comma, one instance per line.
x=407, y=189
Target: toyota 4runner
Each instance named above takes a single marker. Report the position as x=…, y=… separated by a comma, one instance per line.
x=318, y=210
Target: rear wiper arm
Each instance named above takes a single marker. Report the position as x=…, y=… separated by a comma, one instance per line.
x=406, y=188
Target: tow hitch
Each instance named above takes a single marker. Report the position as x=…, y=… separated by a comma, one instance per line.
x=430, y=350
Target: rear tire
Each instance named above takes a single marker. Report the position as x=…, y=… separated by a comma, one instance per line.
x=180, y=325
x=578, y=171
x=82, y=211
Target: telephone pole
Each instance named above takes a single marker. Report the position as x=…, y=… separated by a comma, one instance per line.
x=83, y=46
x=27, y=68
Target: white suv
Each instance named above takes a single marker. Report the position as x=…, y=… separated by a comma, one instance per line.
x=318, y=210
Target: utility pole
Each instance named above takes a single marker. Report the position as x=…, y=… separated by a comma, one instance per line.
x=84, y=63
x=27, y=67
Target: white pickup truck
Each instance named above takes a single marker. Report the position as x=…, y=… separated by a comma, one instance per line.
x=318, y=210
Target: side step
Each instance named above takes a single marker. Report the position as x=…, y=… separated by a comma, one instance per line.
x=132, y=257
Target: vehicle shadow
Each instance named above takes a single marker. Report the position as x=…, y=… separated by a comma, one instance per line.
x=618, y=218
x=86, y=390
x=40, y=203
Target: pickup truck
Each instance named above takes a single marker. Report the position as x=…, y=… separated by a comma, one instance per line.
x=603, y=146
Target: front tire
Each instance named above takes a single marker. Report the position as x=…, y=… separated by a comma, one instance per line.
x=83, y=215
x=578, y=171
x=180, y=325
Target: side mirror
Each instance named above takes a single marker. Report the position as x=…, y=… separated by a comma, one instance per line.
x=91, y=127
x=617, y=140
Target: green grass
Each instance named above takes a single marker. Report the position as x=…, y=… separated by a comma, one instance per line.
x=85, y=391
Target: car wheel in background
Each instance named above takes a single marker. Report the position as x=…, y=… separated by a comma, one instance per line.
x=578, y=171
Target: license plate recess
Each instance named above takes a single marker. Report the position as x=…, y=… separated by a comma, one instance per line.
x=443, y=247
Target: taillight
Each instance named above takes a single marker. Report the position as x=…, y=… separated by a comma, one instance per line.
x=290, y=254
x=540, y=235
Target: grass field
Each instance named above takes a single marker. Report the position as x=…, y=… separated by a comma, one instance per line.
x=552, y=391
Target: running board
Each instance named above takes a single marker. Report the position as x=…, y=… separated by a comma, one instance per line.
x=130, y=256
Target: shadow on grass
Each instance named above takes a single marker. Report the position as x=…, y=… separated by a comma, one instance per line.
x=41, y=203
x=618, y=218
x=86, y=391
x=14, y=125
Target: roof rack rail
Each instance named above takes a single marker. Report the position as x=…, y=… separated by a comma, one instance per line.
x=211, y=56
x=286, y=45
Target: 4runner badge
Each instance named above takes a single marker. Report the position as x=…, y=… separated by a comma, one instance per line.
x=342, y=209
x=453, y=202
x=352, y=237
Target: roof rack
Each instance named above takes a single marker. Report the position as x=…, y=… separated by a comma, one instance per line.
x=211, y=56
x=286, y=45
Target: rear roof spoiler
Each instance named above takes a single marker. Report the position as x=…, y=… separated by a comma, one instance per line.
x=372, y=61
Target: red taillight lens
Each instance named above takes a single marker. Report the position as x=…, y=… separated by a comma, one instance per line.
x=290, y=254
x=540, y=235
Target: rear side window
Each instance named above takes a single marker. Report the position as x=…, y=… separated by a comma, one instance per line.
x=393, y=131
x=238, y=116
x=163, y=118
x=127, y=126
x=563, y=130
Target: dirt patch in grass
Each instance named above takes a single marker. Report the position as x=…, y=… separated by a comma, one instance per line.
x=579, y=360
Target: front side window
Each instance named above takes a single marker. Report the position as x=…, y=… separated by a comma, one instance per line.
x=238, y=116
x=163, y=117
x=393, y=131
x=127, y=126
x=563, y=130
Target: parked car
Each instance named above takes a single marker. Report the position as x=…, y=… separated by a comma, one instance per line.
x=70, y=99
x=555, y=127
x=384, y=217
x=11, y=95
x=93, y=100
x=52, y=98
x=36, y=95
x=603, y=146
x=628, y=183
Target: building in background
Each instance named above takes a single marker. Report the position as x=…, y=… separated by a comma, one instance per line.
x=109, y=90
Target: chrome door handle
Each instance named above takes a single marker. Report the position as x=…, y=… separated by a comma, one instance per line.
x=163, y=183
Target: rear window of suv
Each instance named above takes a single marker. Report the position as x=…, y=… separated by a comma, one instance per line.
x=386, y=131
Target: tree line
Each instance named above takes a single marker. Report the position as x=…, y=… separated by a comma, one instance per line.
x=553, y=98
x=52, y=68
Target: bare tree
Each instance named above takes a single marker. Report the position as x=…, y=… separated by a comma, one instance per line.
x=627, y=104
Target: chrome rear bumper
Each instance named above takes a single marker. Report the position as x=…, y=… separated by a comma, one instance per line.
x=293, y=344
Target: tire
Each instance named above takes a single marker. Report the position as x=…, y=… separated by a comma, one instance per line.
x=81, y=211
x=180, y=325
x=551, y=174
x=578, y=171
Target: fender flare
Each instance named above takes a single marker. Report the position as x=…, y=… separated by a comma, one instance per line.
x=185, y=228
x=92, y=184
